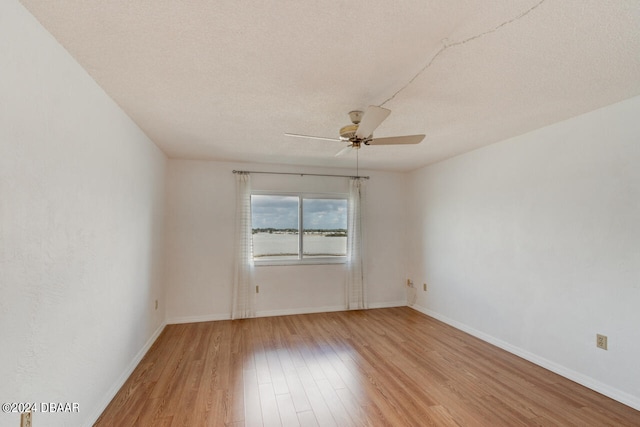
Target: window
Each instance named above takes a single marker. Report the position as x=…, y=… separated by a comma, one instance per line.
x=275, y=224
x=300, y=228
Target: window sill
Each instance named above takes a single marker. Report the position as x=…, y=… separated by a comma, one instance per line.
x=307, y=261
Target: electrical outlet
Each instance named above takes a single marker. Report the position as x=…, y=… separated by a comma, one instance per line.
x=424, y=287
x=601, y=341
x=25, y=419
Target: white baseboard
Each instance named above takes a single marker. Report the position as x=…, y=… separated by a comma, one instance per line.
x=197, y=319
x=264, y=313
x=125, y=375
x=311, y=310
x=402, y=303
x=613, y=393
x=279, y=312
x=306, y=310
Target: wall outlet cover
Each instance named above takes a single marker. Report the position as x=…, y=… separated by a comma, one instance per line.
x=601, y=341
x=25, y=419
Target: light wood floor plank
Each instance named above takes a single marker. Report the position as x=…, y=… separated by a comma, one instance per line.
x=307, y=419
x=384, y=367
x=287, y=410
x=269, y=405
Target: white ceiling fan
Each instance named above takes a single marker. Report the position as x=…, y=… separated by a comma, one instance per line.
x=361, y=131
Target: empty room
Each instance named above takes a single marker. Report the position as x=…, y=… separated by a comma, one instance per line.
x=324, y=213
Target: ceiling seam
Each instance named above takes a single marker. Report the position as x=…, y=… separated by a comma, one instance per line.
x=446, y=45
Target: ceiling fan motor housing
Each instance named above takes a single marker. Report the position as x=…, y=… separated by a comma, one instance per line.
x=348, y=132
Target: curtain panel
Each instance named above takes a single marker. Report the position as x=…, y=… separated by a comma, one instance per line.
x=356, y=289
x=243, y=295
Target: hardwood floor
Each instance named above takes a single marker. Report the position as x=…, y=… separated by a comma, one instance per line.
x=383, y=367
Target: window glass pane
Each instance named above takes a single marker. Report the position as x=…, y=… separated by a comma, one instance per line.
x=324, y=227
x=274, y=220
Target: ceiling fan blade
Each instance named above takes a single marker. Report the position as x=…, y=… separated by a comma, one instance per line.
x=296, y=135
x=393, y=140
x=371, y=120
x=345, y=150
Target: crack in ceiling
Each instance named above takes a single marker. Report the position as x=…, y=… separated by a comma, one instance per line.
x=446, y=46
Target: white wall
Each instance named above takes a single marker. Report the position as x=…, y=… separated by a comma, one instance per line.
x=200, y=243
x=81, y=205
x=534, y=244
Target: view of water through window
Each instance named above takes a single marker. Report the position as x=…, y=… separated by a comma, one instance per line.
x=277, y=226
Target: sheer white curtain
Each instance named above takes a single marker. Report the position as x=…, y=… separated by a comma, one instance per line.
x=243, y=295
x=356, y=291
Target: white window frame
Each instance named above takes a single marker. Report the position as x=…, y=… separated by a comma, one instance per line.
x=301, y=260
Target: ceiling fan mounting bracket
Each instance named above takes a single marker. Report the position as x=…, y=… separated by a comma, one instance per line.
x=356, y=116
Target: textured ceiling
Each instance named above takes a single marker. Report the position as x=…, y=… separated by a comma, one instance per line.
x=224, y=80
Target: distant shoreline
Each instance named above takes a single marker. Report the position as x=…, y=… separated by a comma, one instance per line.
x=284, y=243
x=338, y=232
